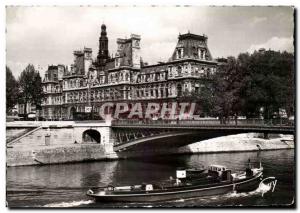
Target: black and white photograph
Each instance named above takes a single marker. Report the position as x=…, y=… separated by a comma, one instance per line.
x=150, y=106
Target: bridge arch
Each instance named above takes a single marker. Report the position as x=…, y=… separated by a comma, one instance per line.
x=176, y=135
x=91, y=136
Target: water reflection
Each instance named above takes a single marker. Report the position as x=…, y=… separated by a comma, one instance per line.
x=76, y=175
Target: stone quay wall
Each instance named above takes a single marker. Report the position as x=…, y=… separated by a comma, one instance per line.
x=60, y=142
x=55, y=154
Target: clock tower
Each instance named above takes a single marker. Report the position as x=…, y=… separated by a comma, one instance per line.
x=103, y=53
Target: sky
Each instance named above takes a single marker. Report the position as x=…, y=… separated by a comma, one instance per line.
x=48, y=35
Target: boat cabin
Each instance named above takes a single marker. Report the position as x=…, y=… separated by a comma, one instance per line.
x=217, y=168
x=181, y=173
x=219, y=172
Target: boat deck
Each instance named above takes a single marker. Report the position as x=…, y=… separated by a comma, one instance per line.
x=168, y=186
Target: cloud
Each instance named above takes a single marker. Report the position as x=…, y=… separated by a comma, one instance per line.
x=49, y=35
x=275, y=43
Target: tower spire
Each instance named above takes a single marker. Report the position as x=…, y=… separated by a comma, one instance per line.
x=103, y=53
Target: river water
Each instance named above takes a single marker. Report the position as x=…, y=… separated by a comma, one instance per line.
x=65, y=185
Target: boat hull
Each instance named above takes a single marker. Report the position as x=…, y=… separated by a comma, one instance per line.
x=247, y=185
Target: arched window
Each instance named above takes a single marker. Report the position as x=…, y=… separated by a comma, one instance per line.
x=179, y=53
x=72, y=113
x=179, y=71
x=179, y=90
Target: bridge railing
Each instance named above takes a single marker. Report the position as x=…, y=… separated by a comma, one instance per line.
x=206, y=122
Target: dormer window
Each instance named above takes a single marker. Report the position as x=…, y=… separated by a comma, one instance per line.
x=195, y=52
x=117, y=62
x=202, y=53
x=179, y=53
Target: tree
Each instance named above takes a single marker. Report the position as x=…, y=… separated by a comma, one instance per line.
x=11, y=90
x=227, y=89
x=31, y=90
x=251, y=85
x=287, y=64
x=268, y=83
x=206, y=98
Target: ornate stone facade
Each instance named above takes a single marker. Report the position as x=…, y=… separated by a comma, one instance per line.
x=125, y=78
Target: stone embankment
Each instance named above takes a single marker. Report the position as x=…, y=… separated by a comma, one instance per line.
x=54, y=154
x=62, y=146
x=241, y=142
